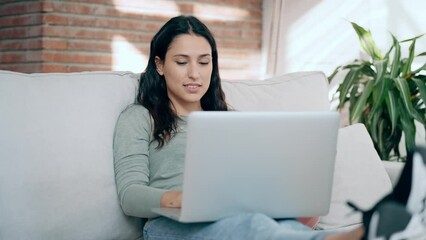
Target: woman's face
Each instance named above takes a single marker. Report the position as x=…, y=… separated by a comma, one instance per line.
x=187, y=69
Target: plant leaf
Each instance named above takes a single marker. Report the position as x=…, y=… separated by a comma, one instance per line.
x=333, y=74
x=418, y=100
x=367, y=42
x=360, y=105
x=353, y=94
x=392, y=111
x=349, y=80
x=404, y=92
x=352, y=65
x=381, y=69
x=380, y=84
x=419, y=117
x=396, y=139
x=414, y=38
x=402, y=86
x=381, y=140
x=373, y=124
x=396, y=58
x=366, y=69
x=422, y=88
x=406, y=68
x=409, y=131
x=422, y=54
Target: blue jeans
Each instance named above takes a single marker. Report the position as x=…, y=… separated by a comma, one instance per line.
x=244, y=226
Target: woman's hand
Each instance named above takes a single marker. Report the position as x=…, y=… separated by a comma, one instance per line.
x=171, y=199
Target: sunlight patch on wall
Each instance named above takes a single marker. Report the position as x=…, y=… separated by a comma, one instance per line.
x=208, y=11
x=170, y=8
x=315, y=38
x=148, y=7
x=125, y=57
x=321, y=39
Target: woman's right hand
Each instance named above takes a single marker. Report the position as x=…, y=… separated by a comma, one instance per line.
x=171, y=199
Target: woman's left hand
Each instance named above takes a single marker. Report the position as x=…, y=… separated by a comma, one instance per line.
x=171, y=199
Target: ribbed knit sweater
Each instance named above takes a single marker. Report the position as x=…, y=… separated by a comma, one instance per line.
x=142, y=172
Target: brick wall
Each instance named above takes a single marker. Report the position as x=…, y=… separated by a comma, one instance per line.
x=78, y=35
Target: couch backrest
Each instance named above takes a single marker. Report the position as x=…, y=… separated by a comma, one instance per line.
x=300, y=91
x=56, y=130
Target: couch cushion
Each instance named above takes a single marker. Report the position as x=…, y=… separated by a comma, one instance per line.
x=359, y=177
x=359, y=174
x=300, y=91
x=56, y=163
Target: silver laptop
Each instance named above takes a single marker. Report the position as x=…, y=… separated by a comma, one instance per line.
x=277, y=163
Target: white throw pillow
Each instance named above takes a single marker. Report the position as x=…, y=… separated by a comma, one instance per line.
x=56, y=162
x=359, y=177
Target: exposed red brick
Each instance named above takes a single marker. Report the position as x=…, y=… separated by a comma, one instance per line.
x=104, y=46
x=248, y=34
x=19, y=20
x=97, y=22
x=49, y=68
x=85, y=9
x=76, y=57
x=81, y=68
x=93, y=46
x=54, y=19
x=237, y=24
x=55, y=67
x=228, y=33
x=20, y=57
x=22, y=67
x=78, y=35
x=186, y=8
x=46, y=6
x=56, y=44
x=20, y=32
x=239, y=3
x=20, y=44
x=23, y=7
x=232, y=53
x=95, y=33
x=106, y=2
x=234, y=43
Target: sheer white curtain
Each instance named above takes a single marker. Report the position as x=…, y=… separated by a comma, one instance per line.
x=272, y=10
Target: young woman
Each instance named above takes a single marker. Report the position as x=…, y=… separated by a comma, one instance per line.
x=182, y=76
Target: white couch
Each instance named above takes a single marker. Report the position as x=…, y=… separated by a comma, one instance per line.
x=56, y=163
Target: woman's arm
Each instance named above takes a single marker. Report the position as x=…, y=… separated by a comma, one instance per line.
x=131, y=163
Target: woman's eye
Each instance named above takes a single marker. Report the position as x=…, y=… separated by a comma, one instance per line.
x=204, y=63
x=180, y=63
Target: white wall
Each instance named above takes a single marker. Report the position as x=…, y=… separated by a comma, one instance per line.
x=305, y=35
x=317, y=34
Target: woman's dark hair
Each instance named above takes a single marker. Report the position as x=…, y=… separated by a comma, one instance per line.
x=152, y=86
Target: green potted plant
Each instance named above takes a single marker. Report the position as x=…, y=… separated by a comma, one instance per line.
x=384, y=93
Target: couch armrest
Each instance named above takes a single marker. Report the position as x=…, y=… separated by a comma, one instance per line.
x=394, y=170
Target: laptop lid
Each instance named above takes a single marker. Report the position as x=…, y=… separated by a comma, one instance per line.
x=277, y=163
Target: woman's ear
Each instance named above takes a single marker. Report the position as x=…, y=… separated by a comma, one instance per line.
x=159, y=64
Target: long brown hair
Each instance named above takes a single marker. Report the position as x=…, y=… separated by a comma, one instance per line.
x=152, y=86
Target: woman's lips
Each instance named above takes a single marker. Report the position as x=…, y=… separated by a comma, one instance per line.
x=192, y=87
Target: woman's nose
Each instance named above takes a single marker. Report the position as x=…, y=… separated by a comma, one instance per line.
x=193, y=71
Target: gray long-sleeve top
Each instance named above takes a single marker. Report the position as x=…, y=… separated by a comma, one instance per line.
x=142, y=172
